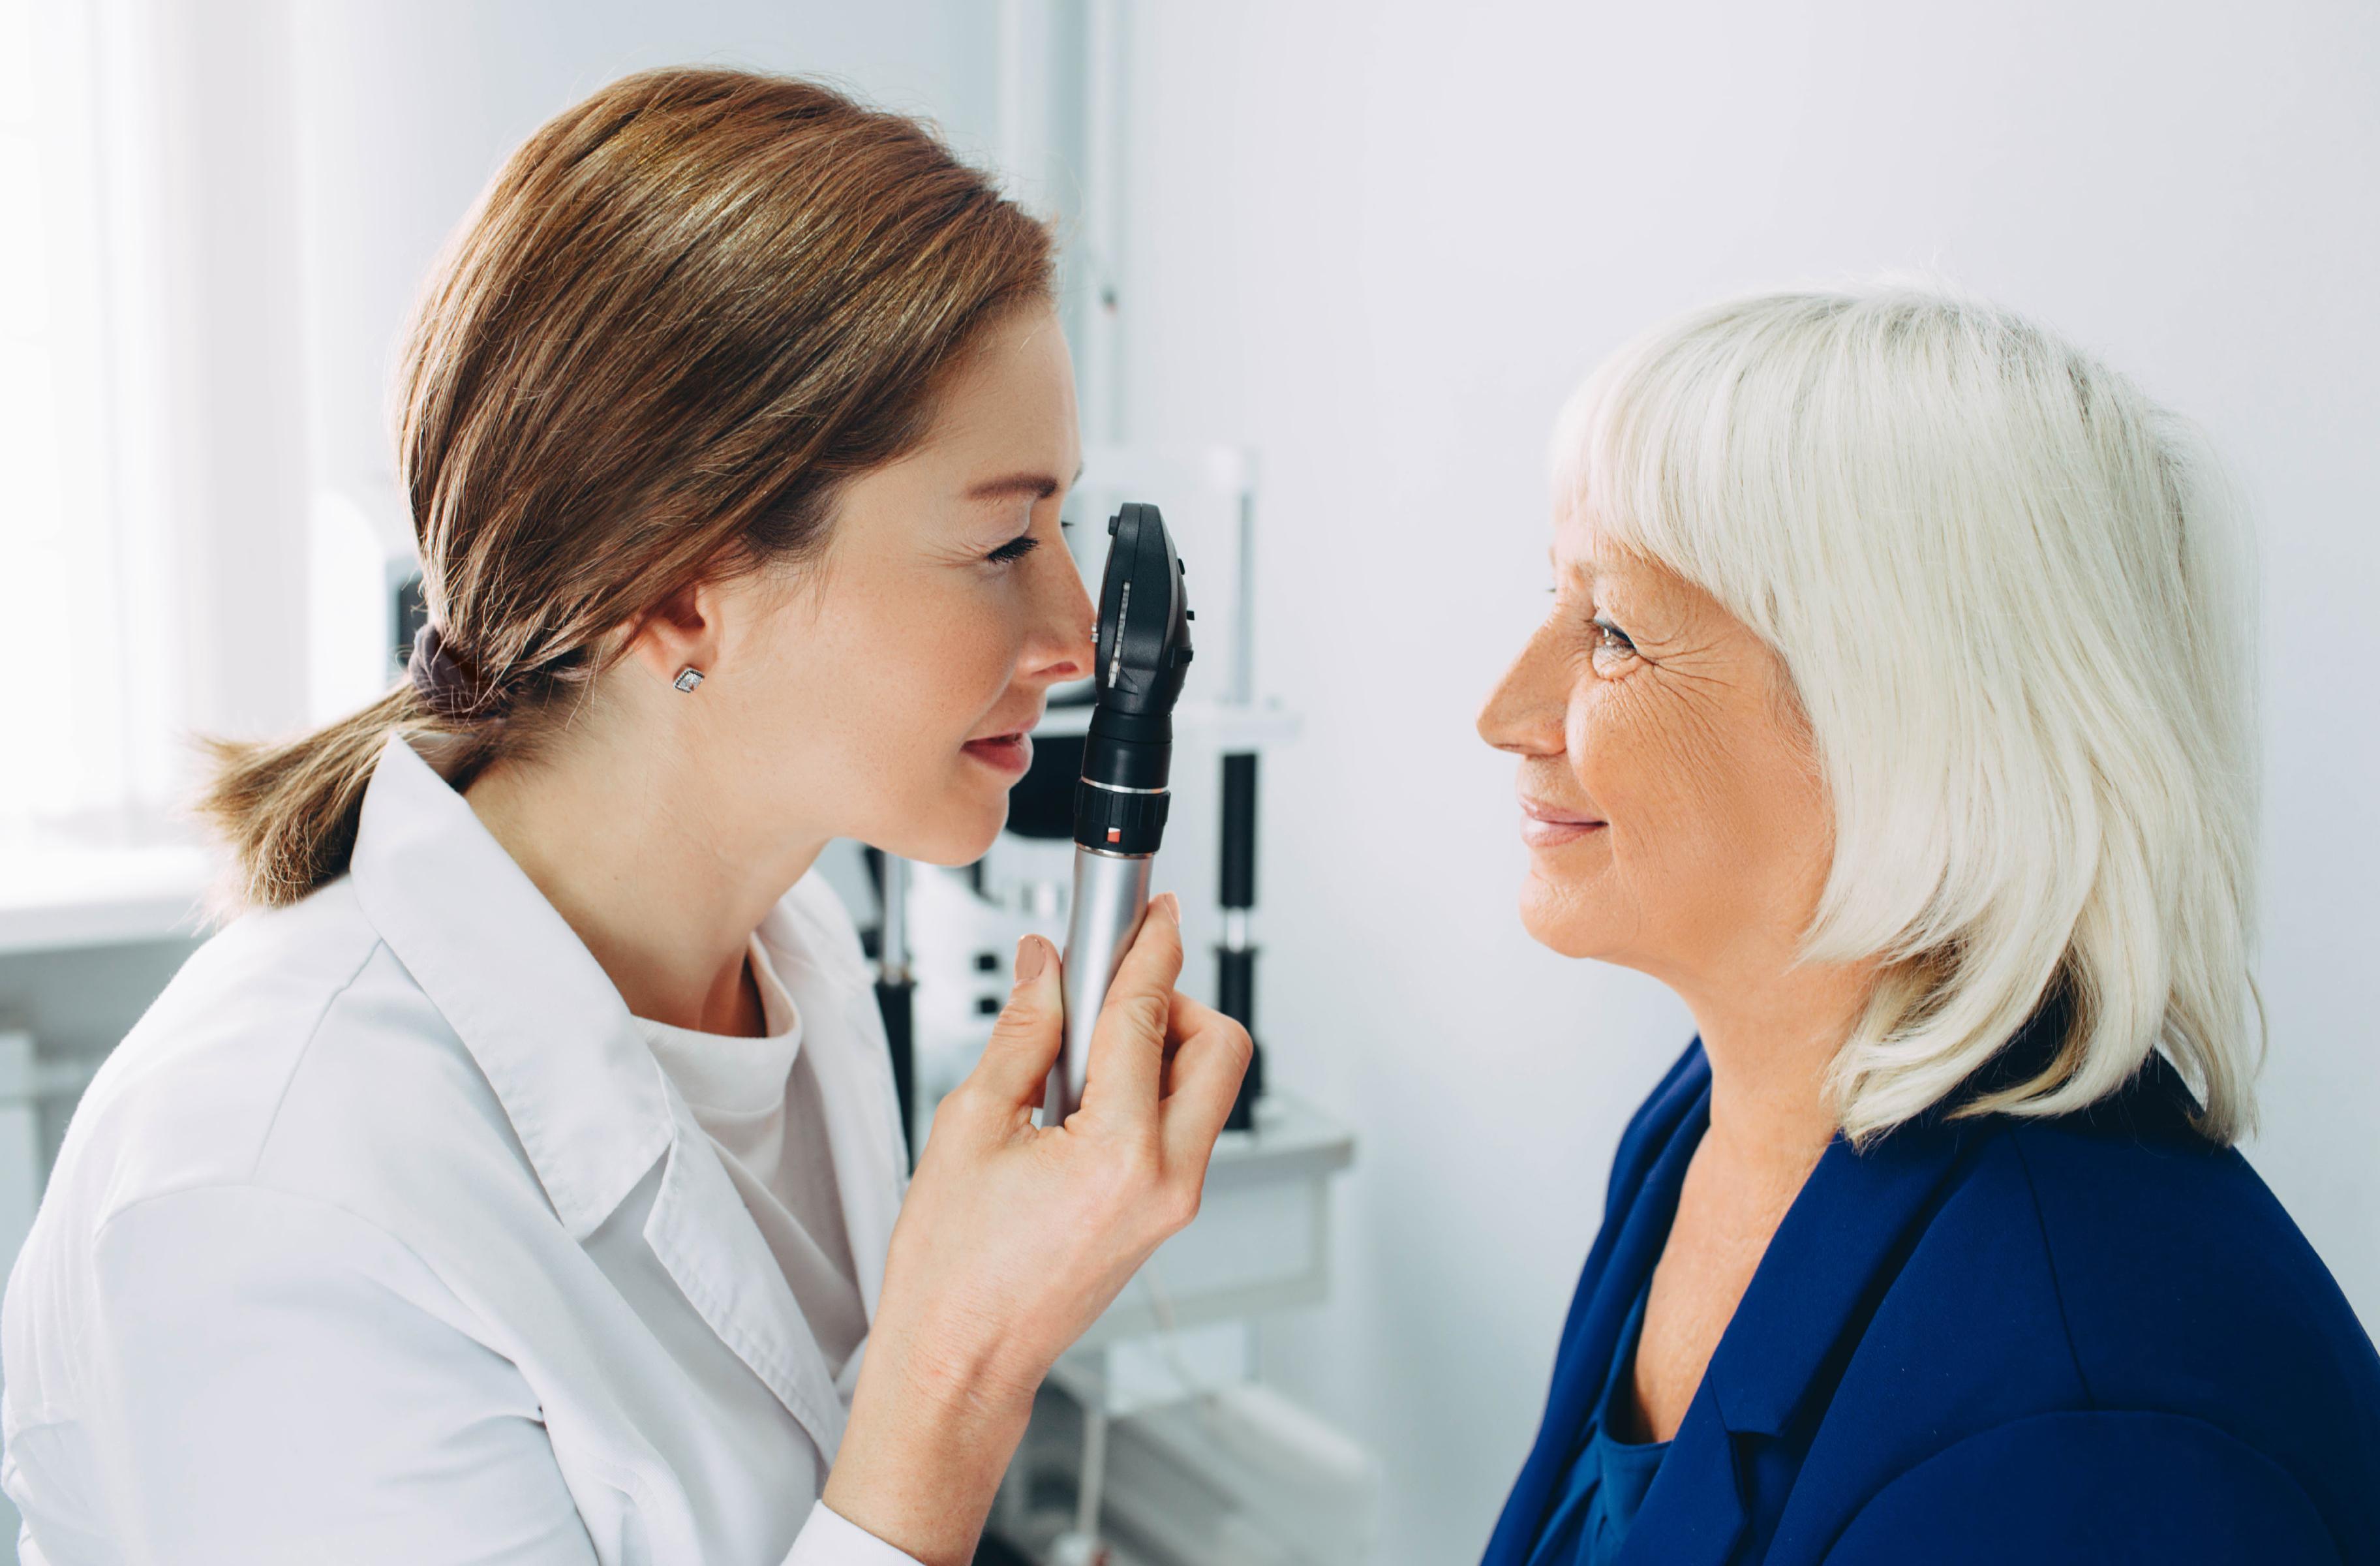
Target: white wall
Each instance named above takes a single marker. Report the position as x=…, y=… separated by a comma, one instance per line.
x=407, y=107
x=1379, y=240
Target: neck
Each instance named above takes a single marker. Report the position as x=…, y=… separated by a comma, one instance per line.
x=1770, y=1037
x=650, y=863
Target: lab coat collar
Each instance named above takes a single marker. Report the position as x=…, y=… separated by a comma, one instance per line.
x=584, y=1092
x=538, y=1012
x=703, y=1235
x=871, y=1171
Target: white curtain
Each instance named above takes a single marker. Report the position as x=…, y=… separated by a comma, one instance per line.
x=153, y=456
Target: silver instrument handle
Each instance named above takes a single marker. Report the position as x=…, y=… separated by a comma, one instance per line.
x=1111, y=896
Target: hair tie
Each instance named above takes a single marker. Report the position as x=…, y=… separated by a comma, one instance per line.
x=447, y=687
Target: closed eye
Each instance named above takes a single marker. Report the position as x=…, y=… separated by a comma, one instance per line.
x=1019, y=547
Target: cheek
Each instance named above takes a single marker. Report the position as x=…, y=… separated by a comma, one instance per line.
x=887, y=679
x=1579, y=898
x=964, y=653
x=1651, y=771
x=1653, y=765
x=1718, y=823
x=941, y=674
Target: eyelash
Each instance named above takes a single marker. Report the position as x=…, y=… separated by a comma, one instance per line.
x=1017, y=548
x=1620, y=641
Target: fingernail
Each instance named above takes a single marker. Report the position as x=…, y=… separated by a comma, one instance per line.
x=1032, y=957
x=1173, y=906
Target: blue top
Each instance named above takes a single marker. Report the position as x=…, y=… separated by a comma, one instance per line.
x=2081, y=1339
x=1608, y=1478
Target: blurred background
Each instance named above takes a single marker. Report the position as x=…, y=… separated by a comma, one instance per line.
x=1363, y=250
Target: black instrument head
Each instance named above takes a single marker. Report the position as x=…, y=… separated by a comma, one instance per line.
x=1143, y=650
x=1144, y=635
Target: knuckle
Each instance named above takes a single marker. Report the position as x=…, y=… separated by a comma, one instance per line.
x=1015, y=1026
x=1147, y=1015
x=953, y=1114
x=1139, y=1174
x=1139, y=1016
x=1155, y=954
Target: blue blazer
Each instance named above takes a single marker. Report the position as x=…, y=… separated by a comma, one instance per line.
x=2089, y=1339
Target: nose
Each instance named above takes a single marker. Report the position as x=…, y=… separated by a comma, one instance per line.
x=1524, y=714
x=1059, y=648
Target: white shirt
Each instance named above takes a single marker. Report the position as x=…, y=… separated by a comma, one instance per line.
x=385, y=1238
x=759, y=1103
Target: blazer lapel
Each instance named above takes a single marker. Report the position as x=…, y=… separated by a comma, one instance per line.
x=1694, y=1513
x=1840, y=1245
x=1616, y=1268
x=1829, y=1262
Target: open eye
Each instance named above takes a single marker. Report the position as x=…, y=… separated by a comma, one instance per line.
x=1610, y=645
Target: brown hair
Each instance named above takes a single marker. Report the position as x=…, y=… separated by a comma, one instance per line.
x=683, y=315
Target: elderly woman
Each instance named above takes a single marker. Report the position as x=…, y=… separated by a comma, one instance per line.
x=1894, y=709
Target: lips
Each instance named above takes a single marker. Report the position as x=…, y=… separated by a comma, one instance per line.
x=1010, y=750
x=1551, y=826
x=1007, y=753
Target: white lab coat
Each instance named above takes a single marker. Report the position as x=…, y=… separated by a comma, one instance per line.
x=385, y=1238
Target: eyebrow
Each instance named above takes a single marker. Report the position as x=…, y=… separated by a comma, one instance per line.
x=1040, y=486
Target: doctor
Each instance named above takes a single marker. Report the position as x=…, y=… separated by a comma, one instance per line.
x=516, y=1182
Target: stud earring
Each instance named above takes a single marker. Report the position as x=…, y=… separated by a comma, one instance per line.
x=688, y=679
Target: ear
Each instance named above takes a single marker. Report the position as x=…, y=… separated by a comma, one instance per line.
x=681, y=632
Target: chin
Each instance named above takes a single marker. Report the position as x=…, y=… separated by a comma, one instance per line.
x=955, y=831
x=1557, y=917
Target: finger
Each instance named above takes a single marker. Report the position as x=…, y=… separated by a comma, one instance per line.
x=1188, y=1018
x=1127, y=1050
x=1023, y=1044
x=1208, y=1066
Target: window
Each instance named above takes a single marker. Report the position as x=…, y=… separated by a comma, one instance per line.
x=87, y=630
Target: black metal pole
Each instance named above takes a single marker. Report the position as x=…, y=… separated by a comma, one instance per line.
x=896, y=990
x=1236, y=959
x=894, y=999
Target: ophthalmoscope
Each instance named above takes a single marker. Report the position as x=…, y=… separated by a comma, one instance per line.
x=1142, y=651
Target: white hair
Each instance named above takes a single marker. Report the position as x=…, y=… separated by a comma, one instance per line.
x=2011, y=594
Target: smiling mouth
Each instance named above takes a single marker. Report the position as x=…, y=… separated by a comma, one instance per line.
x=1545, y=826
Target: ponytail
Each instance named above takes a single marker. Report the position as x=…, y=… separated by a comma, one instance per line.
x=288, y=810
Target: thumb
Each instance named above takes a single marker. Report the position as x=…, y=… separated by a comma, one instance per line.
x=1024, y=1045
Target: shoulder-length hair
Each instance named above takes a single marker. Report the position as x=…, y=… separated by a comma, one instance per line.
x=2013, y=597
